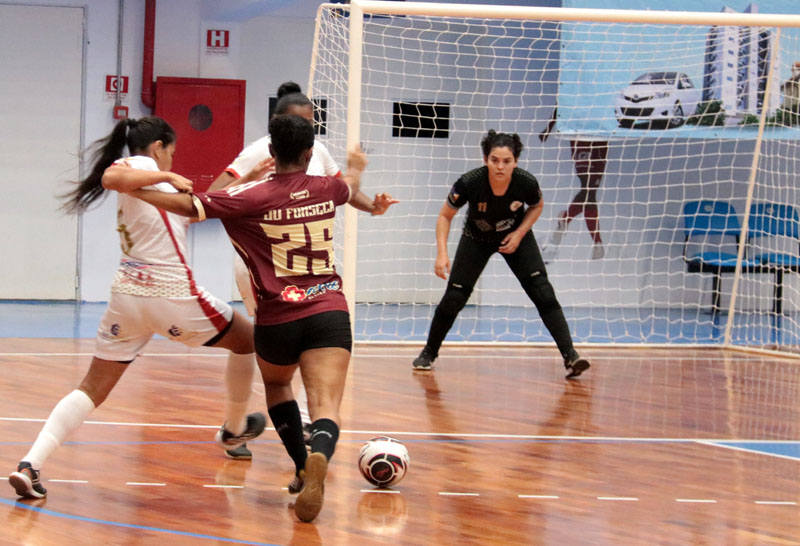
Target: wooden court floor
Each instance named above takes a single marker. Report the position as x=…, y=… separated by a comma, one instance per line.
x=663, y=447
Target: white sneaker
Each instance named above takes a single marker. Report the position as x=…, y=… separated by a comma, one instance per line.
x=598, y=252
x=558, y=233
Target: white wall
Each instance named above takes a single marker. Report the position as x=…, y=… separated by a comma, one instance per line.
x=271, y=43
x=179, y=52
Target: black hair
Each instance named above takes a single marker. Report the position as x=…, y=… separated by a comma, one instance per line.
x=137, y=135
x=290, y=94
x=290, y=136
x=494, y=140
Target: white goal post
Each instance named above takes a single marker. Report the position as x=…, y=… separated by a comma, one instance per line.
x=665, y=144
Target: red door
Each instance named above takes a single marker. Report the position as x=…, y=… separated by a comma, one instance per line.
x=208, y=118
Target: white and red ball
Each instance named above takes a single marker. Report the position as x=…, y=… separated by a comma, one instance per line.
x=383, y=461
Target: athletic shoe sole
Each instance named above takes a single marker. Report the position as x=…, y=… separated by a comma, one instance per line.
x=23, y=485
x=240, y=453
x=309, y=501
x=256, y=423
x=577, y=368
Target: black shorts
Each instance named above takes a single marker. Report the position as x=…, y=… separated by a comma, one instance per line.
x=282, y=344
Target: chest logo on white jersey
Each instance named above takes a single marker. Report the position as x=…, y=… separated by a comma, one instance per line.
x=303, y=194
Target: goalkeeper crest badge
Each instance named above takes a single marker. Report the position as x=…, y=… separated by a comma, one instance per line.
x=515, y=205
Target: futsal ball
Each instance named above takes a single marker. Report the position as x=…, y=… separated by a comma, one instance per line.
x=383, y=461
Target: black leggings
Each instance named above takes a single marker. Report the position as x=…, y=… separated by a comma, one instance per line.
x=526, y=264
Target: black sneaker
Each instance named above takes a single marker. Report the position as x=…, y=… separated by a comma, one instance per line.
x=296, y=485
x=25, y=482
x=424, y=362
x=576, y=367
x=240, y=453
x=256, y=423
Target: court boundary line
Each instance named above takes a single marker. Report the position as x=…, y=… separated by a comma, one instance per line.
x=715, y=442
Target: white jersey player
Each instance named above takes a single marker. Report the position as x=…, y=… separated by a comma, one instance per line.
x=153, y=292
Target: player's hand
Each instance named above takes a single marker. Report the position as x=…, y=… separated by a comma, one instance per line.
x=262, y=168
x=382, y=203
x=356, y=158
x=511, y=242
x=442, y=267
x=180, y=183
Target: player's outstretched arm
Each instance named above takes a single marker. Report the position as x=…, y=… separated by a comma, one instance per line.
x=356, y=163
x=126, y=179
x=376, y=206
x=178, y=203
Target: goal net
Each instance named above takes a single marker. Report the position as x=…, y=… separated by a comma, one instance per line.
x=665, y=149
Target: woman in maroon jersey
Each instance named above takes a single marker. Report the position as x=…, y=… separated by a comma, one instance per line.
x=282, y=227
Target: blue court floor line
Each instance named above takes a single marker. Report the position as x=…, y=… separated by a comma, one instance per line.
x=53, y=513
x=782, y=449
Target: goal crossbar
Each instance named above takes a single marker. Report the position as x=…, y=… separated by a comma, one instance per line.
x=484, y=11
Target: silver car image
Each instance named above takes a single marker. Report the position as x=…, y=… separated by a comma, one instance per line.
x=657, y=100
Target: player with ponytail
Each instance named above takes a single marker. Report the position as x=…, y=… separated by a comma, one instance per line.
x=153, y=292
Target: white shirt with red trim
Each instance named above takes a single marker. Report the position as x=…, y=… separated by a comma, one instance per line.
x=154, y=257
x=321, y=164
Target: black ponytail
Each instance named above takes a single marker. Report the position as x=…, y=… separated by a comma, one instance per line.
x=494, y=140
x=137, y=135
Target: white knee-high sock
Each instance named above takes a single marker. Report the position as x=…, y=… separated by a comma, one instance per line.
x=65, y=418
x=302, y=403
x=238, y=383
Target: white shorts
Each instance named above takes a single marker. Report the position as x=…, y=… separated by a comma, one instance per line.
x=244, y=284
x=130, y=321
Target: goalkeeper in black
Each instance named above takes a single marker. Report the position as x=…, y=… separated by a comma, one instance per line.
x=504, y=203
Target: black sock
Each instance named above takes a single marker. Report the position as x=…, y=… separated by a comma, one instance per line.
x=557, y=325
x=324, y=434
x=286, y=418
x=440, y=325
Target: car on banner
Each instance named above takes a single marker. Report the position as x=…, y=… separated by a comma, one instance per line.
x=657, y=100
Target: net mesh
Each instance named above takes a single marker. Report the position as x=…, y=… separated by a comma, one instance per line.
x=635, y=132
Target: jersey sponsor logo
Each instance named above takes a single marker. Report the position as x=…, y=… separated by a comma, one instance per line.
x=293, y=294
x=483, y=225
x=319, y=289
x=482, y=206
x=503, y=225
x=299, y=194
x=515, y=205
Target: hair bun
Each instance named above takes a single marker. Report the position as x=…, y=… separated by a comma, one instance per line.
x=288, y=87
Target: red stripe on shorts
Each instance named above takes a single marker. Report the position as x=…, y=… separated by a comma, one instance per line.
x=216, y=318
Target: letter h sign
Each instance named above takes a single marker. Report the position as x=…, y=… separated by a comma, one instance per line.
x=218, y=38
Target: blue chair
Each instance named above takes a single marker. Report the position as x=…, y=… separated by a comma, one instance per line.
x=774, y=220
x=704, y=218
